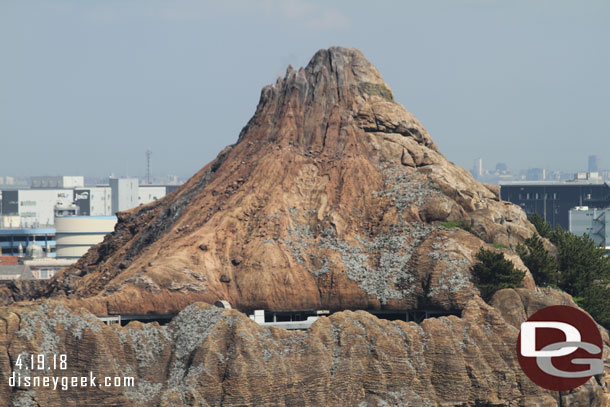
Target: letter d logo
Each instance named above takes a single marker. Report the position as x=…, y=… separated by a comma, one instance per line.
x=560, y=348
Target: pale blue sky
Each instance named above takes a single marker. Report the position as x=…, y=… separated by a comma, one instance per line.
x=87, y=86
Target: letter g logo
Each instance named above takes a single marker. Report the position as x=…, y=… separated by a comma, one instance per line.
x=555, y=343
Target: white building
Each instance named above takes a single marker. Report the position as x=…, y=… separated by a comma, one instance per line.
x=94, y=201
x=10, y=221
x=36, y=207
x=77, y=234
x=593, y=222
x=44, y=268
x=124, y=193
x=150, y=193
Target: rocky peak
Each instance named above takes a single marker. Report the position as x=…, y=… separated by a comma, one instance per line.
x=334, y=197
x=338, y=83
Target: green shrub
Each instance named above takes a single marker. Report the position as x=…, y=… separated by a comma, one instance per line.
x=494, y=272
x=462, y=224
x=499, y=246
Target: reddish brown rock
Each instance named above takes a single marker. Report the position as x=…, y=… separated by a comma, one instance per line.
x=333, y=197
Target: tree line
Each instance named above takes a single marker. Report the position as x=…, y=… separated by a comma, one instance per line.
x=581, y=268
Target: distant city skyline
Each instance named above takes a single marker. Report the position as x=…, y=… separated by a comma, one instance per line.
x=591, y=163
x=501, y=172
x=87, y=87
x=481, y=169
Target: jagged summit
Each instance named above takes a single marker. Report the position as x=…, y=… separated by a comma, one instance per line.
x=345, y=69
x=334, y=197
x=337, y=83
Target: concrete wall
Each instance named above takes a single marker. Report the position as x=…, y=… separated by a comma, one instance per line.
x=124, y=193
x=101, y=201
x=150, y=193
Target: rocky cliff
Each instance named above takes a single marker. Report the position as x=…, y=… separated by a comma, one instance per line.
x=209, y=356
x=333, y=197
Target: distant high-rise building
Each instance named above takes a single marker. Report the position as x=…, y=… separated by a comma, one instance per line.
x=535, y=174
x=501, y=167
x=149, y=166
x=477, y=169
x=594, y=163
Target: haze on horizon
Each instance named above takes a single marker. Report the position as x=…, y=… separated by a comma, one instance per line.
x=87, y=87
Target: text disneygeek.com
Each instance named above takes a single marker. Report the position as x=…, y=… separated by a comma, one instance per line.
x=69, y=382
x=30, y=373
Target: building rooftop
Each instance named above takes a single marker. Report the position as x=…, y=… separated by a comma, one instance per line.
x=49, y=262
x=9, y=260
x=555, y=183
x=21, y=271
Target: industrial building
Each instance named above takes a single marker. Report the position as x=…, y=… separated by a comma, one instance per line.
x=93, y=201
x=77, y=234
x=15, y=272
x=553, y=199
x=593, y=222
x=44, y=268
x=35, y=207
x=32, y=265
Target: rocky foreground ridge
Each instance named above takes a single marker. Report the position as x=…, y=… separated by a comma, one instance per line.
x=209, y=356
x=334, y=197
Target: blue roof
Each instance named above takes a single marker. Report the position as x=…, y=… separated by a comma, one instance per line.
x=89, y=217
x=28, y=232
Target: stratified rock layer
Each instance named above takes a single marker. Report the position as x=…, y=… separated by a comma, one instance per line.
x=209, y=356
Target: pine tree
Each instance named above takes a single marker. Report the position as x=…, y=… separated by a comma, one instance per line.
x=539, y=261
x=581, y=262
x=542, y=227
x=494, y=272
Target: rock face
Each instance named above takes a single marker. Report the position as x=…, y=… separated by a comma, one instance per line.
x=334, y=197
x=209, y=356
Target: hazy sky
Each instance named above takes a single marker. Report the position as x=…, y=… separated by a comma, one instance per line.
x=87, y=86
